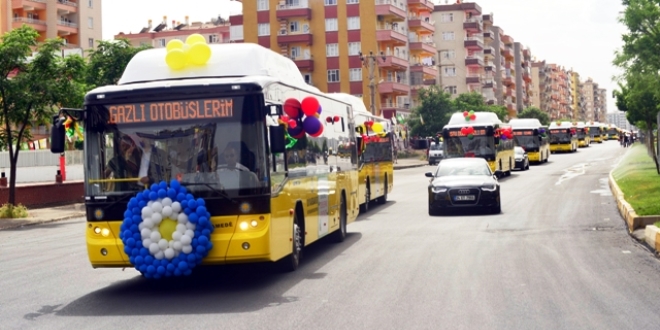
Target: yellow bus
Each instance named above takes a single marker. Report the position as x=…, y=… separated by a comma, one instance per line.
x=613, y=132
x=212, y=164
x=595, y=132
x=563, y=137
x=375, y=160
x=584, y=138
x=479, y=137
x=529, y=134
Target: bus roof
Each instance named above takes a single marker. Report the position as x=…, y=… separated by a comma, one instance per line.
x=563, y=124
x=525, y=123
x=482, y=119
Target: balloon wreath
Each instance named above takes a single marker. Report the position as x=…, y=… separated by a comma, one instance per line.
x=302, y=117
x=73, y=129
x=166, y=231
x=194, y=51
x=504, y=133
x=468, y=131
x=542, y=132
x=469, y=115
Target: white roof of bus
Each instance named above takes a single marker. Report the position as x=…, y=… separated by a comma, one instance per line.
x=524, y=123
x=564, y=124
x=594, y=123
x=482, y=119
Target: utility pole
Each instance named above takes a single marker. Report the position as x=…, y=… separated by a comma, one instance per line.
x=369, y=62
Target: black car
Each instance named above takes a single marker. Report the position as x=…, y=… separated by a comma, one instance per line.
x=522, y=161
x=460, y=183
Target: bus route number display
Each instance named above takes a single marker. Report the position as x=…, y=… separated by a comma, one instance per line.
x=475, y=133
x=150, y=112
x=557, y=131
x=523, y=133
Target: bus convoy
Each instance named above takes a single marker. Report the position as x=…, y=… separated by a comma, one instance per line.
x=223, y=162
x=531, y=135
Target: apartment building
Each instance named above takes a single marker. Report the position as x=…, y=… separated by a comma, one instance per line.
x=78, y=22
x=578, y=97
x=522, y=57
x=380, y=50
x=215, y=31
x=603, y=102
x=589, y=90
x=619, y=119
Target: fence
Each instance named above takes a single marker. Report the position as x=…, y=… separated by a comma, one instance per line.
x=31, y=158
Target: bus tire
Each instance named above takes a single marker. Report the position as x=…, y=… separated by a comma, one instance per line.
x=340, y=235
x=383, y=199
x=367, y=198
x=291, y=262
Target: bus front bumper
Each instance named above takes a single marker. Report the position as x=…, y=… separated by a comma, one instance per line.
x=561, y=147
x=534, y=156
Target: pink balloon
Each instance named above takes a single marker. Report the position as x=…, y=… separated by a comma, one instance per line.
x=310, y=105
x=292, y=123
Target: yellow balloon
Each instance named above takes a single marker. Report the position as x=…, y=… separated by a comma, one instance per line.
x=377, y=127
x=176, y=59
x=166, y=228
x=195, y=38
x=199, y=54
x=174, y=44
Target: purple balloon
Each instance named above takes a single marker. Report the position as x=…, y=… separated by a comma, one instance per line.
x=319, y=110
x=296, y=132
x=312, y=125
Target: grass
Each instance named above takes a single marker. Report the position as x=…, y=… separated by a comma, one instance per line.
x=639, y=181
x=9, y=211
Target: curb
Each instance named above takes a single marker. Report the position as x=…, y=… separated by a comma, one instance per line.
x=27, y=223
x=403, y=167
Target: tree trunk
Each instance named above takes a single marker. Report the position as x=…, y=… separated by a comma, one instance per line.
x=651, y=148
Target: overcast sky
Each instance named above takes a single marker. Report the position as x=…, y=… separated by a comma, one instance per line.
x=578, y=34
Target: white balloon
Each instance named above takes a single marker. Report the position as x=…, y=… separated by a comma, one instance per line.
x=186, y=240
x=176, y=207
x=141, y=226
x=146, y=242
x=167, y=201
x=156, y=218
x=190, y=225
x=148, y=223
x=147, y=212
x=174, y=216
x=190, y=233
x=157, y=207
x=170, y=244
x=153, y=248
x=159, y=255
x=176, y=236
x=183, y=218
x=155, y=236
x=150, y=203
x=187, y=249
x=169, y=253
x=162, y=244
x=146, y=232
x=181, y=228
x=167, y=211
x=177, y=246
x=176, y=253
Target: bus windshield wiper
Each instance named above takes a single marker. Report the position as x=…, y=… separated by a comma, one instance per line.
x=217, y=191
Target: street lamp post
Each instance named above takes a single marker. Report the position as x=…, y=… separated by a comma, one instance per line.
x=369, y=62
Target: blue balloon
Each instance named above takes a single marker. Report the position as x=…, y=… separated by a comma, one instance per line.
x=193, y=218
x=181, y=197
x=127, y=233
x=203, y=240
x=183, y=190
x=186, y=210
x=139, y=260
x=143, y=269
x=136, y=211
x=201, y=209
x=144, y=252
x=183, y=265
x=162, y=193
x=192, y=204
x=171, y=193
x=142, y=204
x=175, y=184
x=127, y=250
x=128, y=214
x=178, y=272
x=153, y=196
x=191, y=257
x=132, y=203
x=151, y=269
x=154, y=188
x=160, y=270
x=170, y=267
x=128, y=222
x=203, y=222
x=134, y=228
x=147, y=276
x=175, y=261
x=131, y=260
x=135, y=251
x=195, y=241
x=136, y=236
x=206, y=232
x=138, y=244
x=148, y=259
x=201, y=249
x=162, y=185
x=201, y=201
x=199, y=255
x=130, y=242
x=137, y=218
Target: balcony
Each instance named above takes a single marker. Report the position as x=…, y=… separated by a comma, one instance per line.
x=426, y=5
x=388, y=34
x=286, y=37
x=507, y=52
x=38, y=25
x=394, y=86
x=301, y=9
x=489, y=53
x=473, y=43
x=390, y=9
x=473, y=79
x=473, y=24
x=421, y=24
x=66, y=28
x=527, y=53
x=488, y=36
x=508, y=80
x=65, y=7
x=426, y=70
x=489, y=83
x=393, y=107
x=487, y=19
x=28, y=5
x=422, y=46
x=474, y=60
x=304, y=62
x=394, y=63
x=526, y=75
x=507, y=40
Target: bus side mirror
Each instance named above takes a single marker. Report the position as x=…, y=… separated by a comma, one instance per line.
x=359, y=145
x=497, y=140
x=277, y=139
x=275, y=110
x=57, y=135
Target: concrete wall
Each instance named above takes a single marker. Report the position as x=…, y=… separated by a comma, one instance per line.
x=29, y=158
x=46, y=194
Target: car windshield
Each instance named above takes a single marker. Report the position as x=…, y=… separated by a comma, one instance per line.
x=463, y=168
x=436, y=146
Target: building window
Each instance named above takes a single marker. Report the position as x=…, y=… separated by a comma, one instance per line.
x=354, y=23
x=448, y=54
x=348, y=2
x=333, y=76
x=294, y=27
x=355, y=74
x=262, y=5
x=354, y=48
x=90, y=3
x=213, y=39
x=448, y=35
x=263, y=30
x=330, y=24
x=450, y=71
x=90, y=42
x=330, y=2
x=295, y=52
x=308, y=78
x=161, y=42
x=447, y=17
x=90, y=22
x=236, y=32
x=452, y=90
x=332, y=50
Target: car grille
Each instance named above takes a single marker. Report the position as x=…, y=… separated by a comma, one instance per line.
x=464, y=192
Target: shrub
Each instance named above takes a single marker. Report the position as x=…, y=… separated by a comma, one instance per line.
x=13, y=211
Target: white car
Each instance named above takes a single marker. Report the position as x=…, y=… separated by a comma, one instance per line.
x=435, y=153
x=522, y=162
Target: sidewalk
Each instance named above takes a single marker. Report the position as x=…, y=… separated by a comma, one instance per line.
x=45, y=215
x=403, y=163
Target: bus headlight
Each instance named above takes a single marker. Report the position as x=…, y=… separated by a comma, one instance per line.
x=243, y=225
x=254, y=223
x=97, y=230
x=105, y=232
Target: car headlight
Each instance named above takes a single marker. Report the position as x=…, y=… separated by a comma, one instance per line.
x=489, y=187
x=519, y=159
x=438, y=190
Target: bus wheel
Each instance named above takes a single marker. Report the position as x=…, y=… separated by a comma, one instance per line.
x=383, y=199
x=291, y=262
x=340, y=235
x=367, y=198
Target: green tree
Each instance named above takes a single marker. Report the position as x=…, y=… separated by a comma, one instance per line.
x=501, y=111
x=32, y=88
x=433, y=113
x=109, y=60
x=534, y=112
x=470, y=101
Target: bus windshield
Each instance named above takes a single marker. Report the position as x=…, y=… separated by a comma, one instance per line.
x=378, y=150
x=216, y=149
x=581, y=134
x=559, y=136
x=594, y=131
x=478, y=146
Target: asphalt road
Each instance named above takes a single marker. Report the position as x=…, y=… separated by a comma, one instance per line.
x=558, y=257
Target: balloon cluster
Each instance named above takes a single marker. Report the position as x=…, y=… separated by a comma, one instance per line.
x=166, y=231
x=505, y=133
x=542, y=132
x=194, y=51
x=303, y=117
x=73, y=130
x=468, y=131
x=332, y=120
x=558, y=123
x=469, y=115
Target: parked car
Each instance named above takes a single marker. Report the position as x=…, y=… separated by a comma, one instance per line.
x=522, y=161
x=435, y=153
x=460, y=183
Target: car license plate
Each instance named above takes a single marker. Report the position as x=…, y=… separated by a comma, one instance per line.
x=464, y=198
